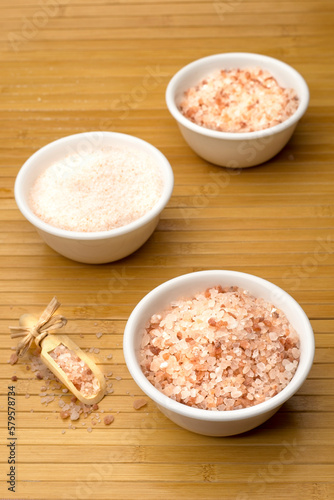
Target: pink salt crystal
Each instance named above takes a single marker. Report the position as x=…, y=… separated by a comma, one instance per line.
x=96, y=350
x=89, y=429
x=295, y=353
x=273, y=335
x=109, y=356
x=99, y=335
x=74, y=415
x=39, y=376
x=76, y=370
x=13, y=358
x=97, y=191
x=239, y=100
x=47, y=399
x=139, y=403
x=108, y=419
x=27, y=396
x=192, y=355
x=14, y=378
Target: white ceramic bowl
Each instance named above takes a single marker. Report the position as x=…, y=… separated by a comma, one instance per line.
x=101, y=246
x=229, y=149
x=216, y=423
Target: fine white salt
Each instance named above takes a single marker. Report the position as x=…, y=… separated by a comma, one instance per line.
x=98, y=191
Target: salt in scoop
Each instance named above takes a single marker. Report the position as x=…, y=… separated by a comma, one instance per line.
x=58, y=352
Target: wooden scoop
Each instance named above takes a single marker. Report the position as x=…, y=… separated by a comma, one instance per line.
x=49, y=343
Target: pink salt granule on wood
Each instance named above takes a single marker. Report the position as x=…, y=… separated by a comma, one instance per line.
x=97, y=191
x=139, y=403
x=108, y=419
x=13, y=358
x=239, y=100
x=222, y=349
x=77, y=371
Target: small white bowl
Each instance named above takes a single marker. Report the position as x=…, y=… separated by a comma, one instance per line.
x=229, y=149
x=216, y=423
x=100, y=246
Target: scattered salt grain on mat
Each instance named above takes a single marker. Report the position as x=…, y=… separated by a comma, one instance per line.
x=99, y=335
x=222, y=349
x=75, y=414
x=239, y=100
x=13, y=359
x=27, y=396
x=76, y=370
x=108, y=419
x=89, y=429
x=97, y=191
x=139, y=403
x=73, y=409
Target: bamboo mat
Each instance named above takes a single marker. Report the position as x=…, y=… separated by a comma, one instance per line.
x=70, y=66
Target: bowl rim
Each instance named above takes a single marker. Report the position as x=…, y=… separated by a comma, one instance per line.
x=236, y=136
x=27, y=212
x=161, y=399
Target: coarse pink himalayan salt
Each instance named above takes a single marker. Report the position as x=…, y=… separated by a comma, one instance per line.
x=222, y=349
x=239, y=100
x=77, y=371
x=98, y=191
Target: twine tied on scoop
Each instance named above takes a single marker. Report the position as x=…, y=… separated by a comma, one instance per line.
x=37, y=332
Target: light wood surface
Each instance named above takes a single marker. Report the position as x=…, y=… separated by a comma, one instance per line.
x=79, y=65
